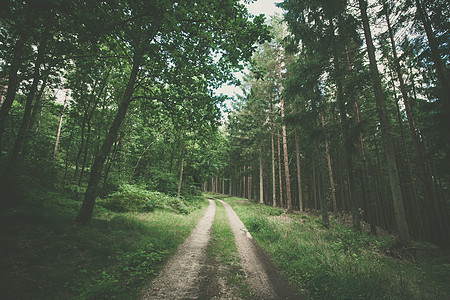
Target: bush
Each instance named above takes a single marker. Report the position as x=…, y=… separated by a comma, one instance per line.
x=131, y=198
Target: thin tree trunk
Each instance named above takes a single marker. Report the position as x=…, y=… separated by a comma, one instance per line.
x=348, y=145
x=13, y=83
x=330, y=170
x=183, y=147
x=372, y=209
x=424, y=175
x=299, y=176
x=85, y=153
x=285, y=146
x=85, y=213
x=112, y=157
x=14, y=154
x=261, y=178
x=37, y=103
x=58, y=133
x=279, y=170
x=322, y=198
x=274, y=192
x=434, y=47
x=314, y=180
x=399, y=209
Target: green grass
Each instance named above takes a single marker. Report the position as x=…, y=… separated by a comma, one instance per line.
x=222, y=249
x=339, y=264
x=44, y=255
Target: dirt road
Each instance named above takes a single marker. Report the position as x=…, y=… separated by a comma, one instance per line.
x=181, y=278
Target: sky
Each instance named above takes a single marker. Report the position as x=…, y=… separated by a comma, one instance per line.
x=266, y=7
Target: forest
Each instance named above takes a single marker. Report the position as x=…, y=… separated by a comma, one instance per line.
x=112, y=133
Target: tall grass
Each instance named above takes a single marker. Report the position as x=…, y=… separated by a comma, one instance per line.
x=337, y=263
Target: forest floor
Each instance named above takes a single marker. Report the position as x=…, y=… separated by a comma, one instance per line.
x=196, y=272
x=200, y=250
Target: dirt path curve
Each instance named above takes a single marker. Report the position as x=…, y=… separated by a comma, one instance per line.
x=262, y=277
x=178, y=279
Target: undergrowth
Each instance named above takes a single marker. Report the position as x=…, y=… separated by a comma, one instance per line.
x=340, y=264
x=131, y=198
x=44, y=255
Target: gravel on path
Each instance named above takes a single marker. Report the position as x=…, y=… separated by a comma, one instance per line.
x=262, y=276
x=179, y=278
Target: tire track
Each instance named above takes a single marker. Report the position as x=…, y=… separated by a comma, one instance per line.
x=178, y=278
x=262, y=277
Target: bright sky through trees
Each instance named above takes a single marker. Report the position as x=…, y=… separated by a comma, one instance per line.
x=266, y=7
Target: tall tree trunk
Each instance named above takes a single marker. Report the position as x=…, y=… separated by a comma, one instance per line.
x=299, y=176
x=434, y=47
x=37, y=107
x=314, y=180
x=367, y=194
x=285, y=146
x=261, y=177
x=85, y=153
x=274, y=196
x=183, y=147
x=424, y=175
x=279, y=170
x=330, y=170
x=399, y=209
x=13, y=83
x=112, y=157
x=244, y=189
x=85, y=213
x=21, y=135
x=322, y=196
x=58, y=132
x=348, y=145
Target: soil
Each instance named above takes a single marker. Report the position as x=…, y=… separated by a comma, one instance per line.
x=191, y=274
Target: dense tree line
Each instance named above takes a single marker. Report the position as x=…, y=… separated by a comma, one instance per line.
x=346, y=110
x=138, y=78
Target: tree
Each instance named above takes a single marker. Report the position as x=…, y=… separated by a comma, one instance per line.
x=399, y=209
x=235, y=48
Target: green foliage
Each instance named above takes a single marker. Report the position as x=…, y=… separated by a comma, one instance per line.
x=45, y=256
x=120, y=273
x=132, y=198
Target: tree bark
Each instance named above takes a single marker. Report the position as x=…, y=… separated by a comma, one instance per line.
x=399, y=209
x=37, y=102
x=322, y=198
x=285, y=146
x=13, y=82
x=21, y=135
x=348, y=145
x=58, y=133
x=261, y=177
x=279, y=170
x=330, y=170
x=274, y=196
x=434, y=47
x=85, y=213
x=424, y=175
x=183, y=147
x=299, y=176
x=367, y=194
